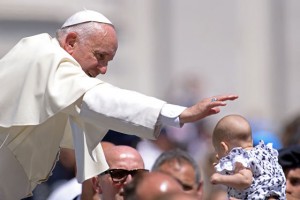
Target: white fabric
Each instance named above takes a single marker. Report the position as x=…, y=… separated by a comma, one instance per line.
x=43, y=79
x=114, y=107
x=20, y=187
x=66, y=191
x=46, y=86
x=37, y=161
x=85, y=16
x=169, y=115
x=229, y=165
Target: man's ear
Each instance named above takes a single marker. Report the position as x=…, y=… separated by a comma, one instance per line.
x=200, y=189
x=96, y=186
x=70, y=42
x=224, y=147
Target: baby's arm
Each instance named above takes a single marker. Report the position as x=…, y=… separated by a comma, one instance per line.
x=241, y=179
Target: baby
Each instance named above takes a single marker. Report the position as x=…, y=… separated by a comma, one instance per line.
x=248, y=172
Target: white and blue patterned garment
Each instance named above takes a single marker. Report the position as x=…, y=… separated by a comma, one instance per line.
x=268, y=176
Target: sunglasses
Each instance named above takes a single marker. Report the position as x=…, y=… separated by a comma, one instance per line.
x=120, y=175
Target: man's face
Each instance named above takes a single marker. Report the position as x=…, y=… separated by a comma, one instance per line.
x=184, y=173
x=95, y=51
x=112, y=189
x=293, y=182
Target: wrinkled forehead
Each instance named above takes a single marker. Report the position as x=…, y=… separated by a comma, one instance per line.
x=104, y=37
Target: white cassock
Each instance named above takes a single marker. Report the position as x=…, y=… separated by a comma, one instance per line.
x=45, y=94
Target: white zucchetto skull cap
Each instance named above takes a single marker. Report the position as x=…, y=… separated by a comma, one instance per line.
x=86, y=16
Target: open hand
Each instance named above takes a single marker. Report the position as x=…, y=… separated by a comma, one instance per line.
x=204, y=108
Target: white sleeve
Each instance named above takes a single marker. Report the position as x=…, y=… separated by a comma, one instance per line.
x=122, y=110
x=169, y=115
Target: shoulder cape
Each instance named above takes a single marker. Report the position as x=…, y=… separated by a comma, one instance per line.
x=39, y=79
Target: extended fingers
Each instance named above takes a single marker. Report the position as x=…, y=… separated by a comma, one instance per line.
x=220, y=100
x=224, y=98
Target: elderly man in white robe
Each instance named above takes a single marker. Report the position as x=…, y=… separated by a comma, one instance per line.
x=51, y=99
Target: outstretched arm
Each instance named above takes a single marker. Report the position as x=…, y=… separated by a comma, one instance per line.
x=134, y=113
x=204, y=108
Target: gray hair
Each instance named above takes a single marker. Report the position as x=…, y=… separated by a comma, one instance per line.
x=178, y=155
x=84, y=30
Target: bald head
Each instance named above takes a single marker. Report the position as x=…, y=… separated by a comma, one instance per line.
x=157, y=182
x=120, y=155
x=121, y=160
x=149, y=186
x=176, y=196
x=106, y=145
x=233, y=129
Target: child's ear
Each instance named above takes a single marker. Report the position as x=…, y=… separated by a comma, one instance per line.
x=225, y=147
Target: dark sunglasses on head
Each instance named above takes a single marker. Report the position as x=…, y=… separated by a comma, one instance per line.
x=120, y=175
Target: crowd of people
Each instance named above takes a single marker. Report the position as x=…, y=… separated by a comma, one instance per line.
x=176, y=175
x=181, y=174
x=62, y=107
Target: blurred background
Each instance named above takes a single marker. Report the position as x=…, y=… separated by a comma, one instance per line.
x=183, y=51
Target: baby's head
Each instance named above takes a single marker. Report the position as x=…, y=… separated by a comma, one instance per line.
x=231, y=131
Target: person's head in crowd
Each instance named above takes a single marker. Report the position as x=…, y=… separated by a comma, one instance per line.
x=124, y=163
x=289, y=159
x=230, y=132
x=179, y=164
x=150, y=185
x=291, y=132
x=90, y=43
x=176, y=196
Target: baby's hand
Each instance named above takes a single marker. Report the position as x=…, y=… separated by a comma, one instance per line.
x=238, y=167
x=215, y=178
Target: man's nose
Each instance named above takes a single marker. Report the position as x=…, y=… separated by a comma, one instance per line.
x=288, y=187
x=102, y=69
x=128, y=179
